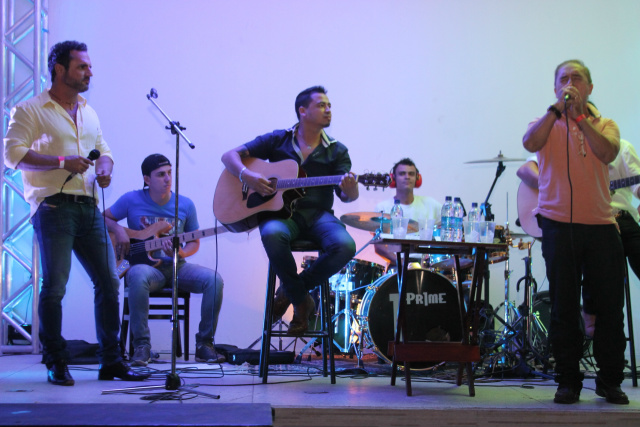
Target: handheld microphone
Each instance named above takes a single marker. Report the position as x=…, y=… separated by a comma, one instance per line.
x=152, y=93
x=93, y=155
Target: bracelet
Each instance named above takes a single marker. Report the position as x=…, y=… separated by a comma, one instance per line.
x=61, y=162
x=581, y=118
x=555, y=111
x=240, y=174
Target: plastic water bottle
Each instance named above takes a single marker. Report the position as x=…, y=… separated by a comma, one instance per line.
x=396, y=212
x=475, y=214
x=458, y=214
x=445, y=220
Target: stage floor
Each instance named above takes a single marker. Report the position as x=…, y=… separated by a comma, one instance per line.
x=300, y=396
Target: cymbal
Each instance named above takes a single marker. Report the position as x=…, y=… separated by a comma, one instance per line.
x=370, y=221
x=498, y=158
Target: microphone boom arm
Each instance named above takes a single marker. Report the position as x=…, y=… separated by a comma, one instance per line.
x=175, y=126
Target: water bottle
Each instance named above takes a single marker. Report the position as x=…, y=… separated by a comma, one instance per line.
x=445, y=220
x=458, y=214
x=475, y=214
x=396, y=212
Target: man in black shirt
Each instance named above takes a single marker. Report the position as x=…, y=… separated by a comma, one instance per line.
x=312, y=216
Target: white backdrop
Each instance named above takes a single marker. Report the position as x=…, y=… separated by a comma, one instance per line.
x=444, y=82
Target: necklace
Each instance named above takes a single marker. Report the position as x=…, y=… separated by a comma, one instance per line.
x=72, y=105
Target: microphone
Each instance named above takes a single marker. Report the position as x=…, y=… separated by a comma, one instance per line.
x=152, y=93
x=567, y=97
x=93, y=155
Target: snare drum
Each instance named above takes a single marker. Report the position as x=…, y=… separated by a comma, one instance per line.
x=432, y=311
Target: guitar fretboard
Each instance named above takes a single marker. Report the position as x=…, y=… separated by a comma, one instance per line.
x=624, y=182
x=314, y=181
x=150, y=245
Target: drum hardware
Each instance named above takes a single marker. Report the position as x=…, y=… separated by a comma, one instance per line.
x=524, y=338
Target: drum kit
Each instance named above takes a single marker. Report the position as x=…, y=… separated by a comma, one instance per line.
x=366, y=297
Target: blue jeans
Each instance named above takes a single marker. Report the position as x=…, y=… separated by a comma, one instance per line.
x=142, y=279
x=62, y=227
x=325, y=230
x=594, y=262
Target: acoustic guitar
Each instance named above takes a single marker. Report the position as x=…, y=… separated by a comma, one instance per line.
x=146, y=241
x=528, y=201
x=242, y=210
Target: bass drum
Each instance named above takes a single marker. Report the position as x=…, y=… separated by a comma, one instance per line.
x=431, y=312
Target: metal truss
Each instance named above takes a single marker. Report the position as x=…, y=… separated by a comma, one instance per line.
x=23, y=66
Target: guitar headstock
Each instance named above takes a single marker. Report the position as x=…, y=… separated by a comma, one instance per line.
x=374, y=180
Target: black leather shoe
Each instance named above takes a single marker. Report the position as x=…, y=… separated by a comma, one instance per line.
x=611, y=394
x=58, y=373
x=280, y=304
x=301, y=313
x=567, y=394
x=120, y=370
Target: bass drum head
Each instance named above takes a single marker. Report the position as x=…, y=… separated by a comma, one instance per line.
x=431, y=312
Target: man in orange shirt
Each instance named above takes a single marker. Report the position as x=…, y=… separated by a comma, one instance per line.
x=580, y=243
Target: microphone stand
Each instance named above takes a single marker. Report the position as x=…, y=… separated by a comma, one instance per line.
x=173, y=381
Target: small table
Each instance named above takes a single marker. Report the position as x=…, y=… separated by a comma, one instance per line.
x=467, y=350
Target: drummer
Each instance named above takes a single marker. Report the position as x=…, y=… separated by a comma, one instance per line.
x=405, y=177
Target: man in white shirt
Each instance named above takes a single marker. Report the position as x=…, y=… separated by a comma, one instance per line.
x=405, y=178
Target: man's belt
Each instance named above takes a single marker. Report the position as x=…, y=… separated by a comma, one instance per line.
x=71, y=198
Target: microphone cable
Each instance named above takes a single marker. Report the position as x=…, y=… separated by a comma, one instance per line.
x=571, y=237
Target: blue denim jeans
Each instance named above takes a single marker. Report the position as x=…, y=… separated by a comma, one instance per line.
x=326, y=230
x=588, y=257
x=142, y=279
x=63, y=227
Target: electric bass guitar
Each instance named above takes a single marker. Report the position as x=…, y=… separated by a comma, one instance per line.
x=242, y=210
x=528, y=201
x=146, y=241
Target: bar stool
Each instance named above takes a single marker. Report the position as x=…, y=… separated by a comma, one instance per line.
x=325, y=333
x=158, y=310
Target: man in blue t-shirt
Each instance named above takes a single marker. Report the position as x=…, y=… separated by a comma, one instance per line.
x=146, y=208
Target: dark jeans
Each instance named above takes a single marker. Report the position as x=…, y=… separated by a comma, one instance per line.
x=594, y=262
x=143, y=279
x=63, y=227
x=326, y=230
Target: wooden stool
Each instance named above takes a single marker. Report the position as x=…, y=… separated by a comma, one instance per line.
x=326, y=327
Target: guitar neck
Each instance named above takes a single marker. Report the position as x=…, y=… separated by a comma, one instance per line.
x=624, y=182
x=190, y=236
x=314, y=181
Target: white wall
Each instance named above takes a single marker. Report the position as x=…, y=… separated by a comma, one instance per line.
x=443, y=82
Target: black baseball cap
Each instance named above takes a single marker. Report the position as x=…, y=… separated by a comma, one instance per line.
x=153, y=162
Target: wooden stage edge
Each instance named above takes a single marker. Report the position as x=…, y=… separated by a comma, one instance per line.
x=367, y=417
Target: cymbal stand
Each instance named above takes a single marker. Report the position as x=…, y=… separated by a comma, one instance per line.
x=535, y=333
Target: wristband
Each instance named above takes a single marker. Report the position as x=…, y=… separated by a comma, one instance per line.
x=555, y=111
x=240, y=174
x=61, y=162
x=581, y=118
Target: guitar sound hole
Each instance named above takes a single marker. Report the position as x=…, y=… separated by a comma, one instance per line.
x=256, y=199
